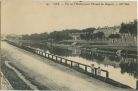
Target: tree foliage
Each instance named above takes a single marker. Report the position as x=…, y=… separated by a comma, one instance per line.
x=130, y=28
x=90, y=36
x=112, y=36
x=35, y=36
x=57, y=35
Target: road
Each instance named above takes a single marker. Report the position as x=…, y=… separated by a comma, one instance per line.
x=52, y=75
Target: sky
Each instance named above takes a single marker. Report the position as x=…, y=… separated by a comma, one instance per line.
x=35, y=16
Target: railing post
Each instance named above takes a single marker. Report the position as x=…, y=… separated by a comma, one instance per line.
x=56, y=58
x=52, y=57
x=92, y=69
x=95, y=71
x=48, y=56
x=71, y=63
x=78, y=65
x=107, y=74
x=61, y=60
x=137, y=85
x=85, y=68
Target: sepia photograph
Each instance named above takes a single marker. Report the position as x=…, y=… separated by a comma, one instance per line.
x=68, y=45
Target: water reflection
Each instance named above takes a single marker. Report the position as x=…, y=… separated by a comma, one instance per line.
x=129, y=65
x=91, y=55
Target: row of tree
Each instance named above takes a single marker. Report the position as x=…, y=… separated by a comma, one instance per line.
x=65, y=35
x=87, y=34
x=56, y=35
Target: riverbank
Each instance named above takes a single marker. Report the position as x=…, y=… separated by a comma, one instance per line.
x=122, y=49
x=107, y=49
x=11, y=76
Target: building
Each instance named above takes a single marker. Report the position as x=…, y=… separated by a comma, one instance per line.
x=108, y=30
x=75, y=36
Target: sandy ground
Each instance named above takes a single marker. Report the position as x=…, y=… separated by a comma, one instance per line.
x=53, y=75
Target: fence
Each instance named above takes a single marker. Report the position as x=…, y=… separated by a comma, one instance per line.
x=72, y=64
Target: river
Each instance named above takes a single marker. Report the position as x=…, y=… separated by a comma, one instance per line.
x=121, y=68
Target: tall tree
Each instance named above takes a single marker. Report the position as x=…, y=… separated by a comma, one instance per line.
x=130, y=28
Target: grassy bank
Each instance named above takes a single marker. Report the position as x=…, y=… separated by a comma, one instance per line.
x=39, y=86
x=13, y=78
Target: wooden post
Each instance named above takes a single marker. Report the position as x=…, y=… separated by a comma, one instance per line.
x=137, y=85
x=92, y=69
x=95, y=71
x=107, y=74
x=71, y=63
x=48, y=56
x=61, y=60
x=78, y=65
x=56, y=58
x=52, y=57
x=85, y=68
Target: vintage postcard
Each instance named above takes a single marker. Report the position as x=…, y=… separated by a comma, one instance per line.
x=68, y=45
